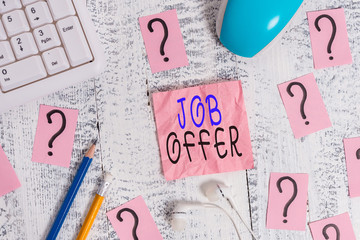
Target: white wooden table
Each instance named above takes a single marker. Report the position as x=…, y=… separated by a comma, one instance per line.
x=120, y=100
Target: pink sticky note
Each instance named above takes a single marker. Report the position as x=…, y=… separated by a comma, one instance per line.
x=55, y=135
x=352, y=155
x=203, y=130
x=163, y=41
x=329, y=38
x=8, y=178
x=338, y=227
x=287, y=201
x=309, y=117
x=133, y=220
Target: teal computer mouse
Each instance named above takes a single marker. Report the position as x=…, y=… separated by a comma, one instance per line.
x=245, y=27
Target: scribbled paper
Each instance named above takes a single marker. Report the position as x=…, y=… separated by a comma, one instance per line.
x=329, y=38
x=62, y=144
x=352, y=155
x=163, y=41
x=203, y=130
x=309, y=117
x=288, y=194
x=331, y=228
x=8, y=179
x=133, y=220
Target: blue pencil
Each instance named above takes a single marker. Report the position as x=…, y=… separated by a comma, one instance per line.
x=74, y=188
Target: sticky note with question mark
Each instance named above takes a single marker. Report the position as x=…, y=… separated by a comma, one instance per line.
x=352, y=155
x=337, y=227
x=133, y=221
x=8, y=178
x=163, y=41
x=329, y=38
x=287, y=201
x=54, y=136
x=304, y=105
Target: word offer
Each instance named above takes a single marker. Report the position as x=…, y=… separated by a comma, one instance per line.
x=203, y=130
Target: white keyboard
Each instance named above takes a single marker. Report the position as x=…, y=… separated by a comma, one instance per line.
x=44, y=46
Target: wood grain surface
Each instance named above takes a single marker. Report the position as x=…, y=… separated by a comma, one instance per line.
x=120, y=101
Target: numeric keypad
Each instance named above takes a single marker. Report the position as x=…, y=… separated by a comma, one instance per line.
x=38, y=39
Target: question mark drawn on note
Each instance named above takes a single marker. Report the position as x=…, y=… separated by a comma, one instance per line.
x=333, y=226
x=287, y=205
x=166, y=34
x=332, y=34
x=288, y=89
x=136, y=219
x=63, y=125
x=358, y=154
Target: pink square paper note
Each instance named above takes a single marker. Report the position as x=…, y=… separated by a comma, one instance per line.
x=329, y=38
x=8, y=178
x=163, y=41
x=304, y=105
x=55, y=134
x=133, y=220
x=288, y=194
x=203, y=130
x=352, y=155
x=338, y=227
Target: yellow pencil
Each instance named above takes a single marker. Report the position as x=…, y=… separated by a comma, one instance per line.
x=95, y=206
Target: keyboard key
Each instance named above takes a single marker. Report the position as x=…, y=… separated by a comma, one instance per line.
x=15, y=22
x=74, y=41
x=61, y=9
x=2, y=32
x=55, y=60
x=24, y=45
x=47, y=37
x=6, y=54
x=22, y=72
x=9, y=5
x=27, y=2
x=38, y=14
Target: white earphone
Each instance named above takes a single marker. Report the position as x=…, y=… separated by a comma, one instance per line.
x=179, y=214
x=214, y=192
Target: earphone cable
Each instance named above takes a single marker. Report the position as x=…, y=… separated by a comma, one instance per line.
x=238, y=213
x=232, y=220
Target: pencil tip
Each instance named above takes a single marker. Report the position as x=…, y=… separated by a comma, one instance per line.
x=91, y=151
x=95, y=141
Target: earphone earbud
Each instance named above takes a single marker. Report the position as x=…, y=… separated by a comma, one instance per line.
x=180, y=212
x=215, y=191
x=212, y=192
x=178, y=220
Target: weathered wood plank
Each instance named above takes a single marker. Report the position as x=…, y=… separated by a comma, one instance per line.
x=28, y=212
x=128, y=134
x=320, y=154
